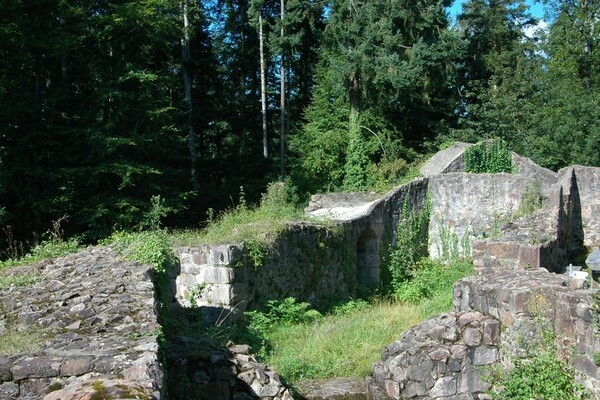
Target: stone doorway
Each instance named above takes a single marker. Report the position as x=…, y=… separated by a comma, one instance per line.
x=367, y=260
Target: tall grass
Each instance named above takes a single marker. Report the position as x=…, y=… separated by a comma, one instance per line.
x=348, y=344
x=244, y=223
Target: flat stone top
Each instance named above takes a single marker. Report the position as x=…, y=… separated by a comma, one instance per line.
x=442, y=159
x=93, y=312
x=342, y=213
x=519, y=279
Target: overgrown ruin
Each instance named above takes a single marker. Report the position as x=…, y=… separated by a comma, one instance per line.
x=101, y=310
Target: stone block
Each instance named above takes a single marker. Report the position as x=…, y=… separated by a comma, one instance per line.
x=470, y=381
x=5, y=366
x=503, y=250
x=472, y=337
x=586, y=366
x=392, y=388
x=9, y=391
x=414, y=389
x=76, y=366
x=212, y=274
x=491, y=332
x=485, y=356
x=529, y=256
x=36, y=367
x=593, y=260
x=444, y=387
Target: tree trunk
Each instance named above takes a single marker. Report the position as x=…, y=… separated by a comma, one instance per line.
x=187, y=82
x=263, y=86
x=282, y=97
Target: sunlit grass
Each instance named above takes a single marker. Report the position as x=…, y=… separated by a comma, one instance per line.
x=14, y=342
x=346, y=345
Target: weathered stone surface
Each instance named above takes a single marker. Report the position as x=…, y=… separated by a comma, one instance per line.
x=97, y=319
x=9, y=391
x=36, y=367
x=335, y=389
x=593, y=260
x=77, y=366
x=445, y=161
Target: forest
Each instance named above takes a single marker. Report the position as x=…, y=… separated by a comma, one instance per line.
x=112, y=109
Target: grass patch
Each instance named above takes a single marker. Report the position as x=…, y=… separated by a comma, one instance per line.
x=244, y=223
x=18, y=280
x=43, y=251
x=13, y=342
x=349, y=340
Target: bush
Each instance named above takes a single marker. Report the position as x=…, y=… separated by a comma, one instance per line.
x=150, y=247
x=488, y=157
x=540, y=376
x=410, y=246
x=431, y=277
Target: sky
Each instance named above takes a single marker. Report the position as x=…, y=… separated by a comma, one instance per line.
x=536, y=9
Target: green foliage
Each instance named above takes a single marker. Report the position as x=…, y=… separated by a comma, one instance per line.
x=451, y=247
x=349, y=307
x=18, y=280
x=158, y=210
x=531, y=201
x=196, y=292
x=256, y=225
x=20, y=341
x=542, y=375
x=256, y=252
x=150, y=247
x=488, y=157
x=282, y=312
x=430, y=277
x=411, y=244
x=356, y=169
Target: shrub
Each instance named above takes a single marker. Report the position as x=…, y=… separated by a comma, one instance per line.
x=540, y=376
x=410, y=246
x=488, y=157
x=431, y=277
x=150, y=247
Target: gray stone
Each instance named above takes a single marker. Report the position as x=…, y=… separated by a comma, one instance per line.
x=5, y=365
x=472, y=337
x=444, y=387
x=9, y=391
x=485, y=356
x=593, y=260
x=36, y=367
x=414, y=389
x=334, y=389
x=77, y=366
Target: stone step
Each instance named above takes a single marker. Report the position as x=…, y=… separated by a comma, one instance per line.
x=374, y=391
x=334, y=389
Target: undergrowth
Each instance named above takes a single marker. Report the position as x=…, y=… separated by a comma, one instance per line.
x=13, y=341
x=541, y=375
x=488, y=157
x=300, y=343
x=245, y=223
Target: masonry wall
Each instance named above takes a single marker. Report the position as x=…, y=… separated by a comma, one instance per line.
x=472, y=205
x=310, y=262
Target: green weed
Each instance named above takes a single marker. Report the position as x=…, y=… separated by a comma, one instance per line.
x=14, y=341
x=488, y=157
x=542, y=375
x=262, y=224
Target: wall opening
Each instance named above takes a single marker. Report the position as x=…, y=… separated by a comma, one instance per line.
x=367, y=262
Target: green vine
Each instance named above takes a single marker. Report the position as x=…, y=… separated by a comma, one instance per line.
x=411, y=244
x=488, y=157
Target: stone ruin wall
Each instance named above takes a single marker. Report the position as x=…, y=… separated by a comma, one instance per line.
x=497, y=315
x=492, y=312
x=310, y=262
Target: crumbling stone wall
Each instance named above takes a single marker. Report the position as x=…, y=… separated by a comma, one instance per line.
x=496, y=315
x=310, y=262
x=95, y=318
